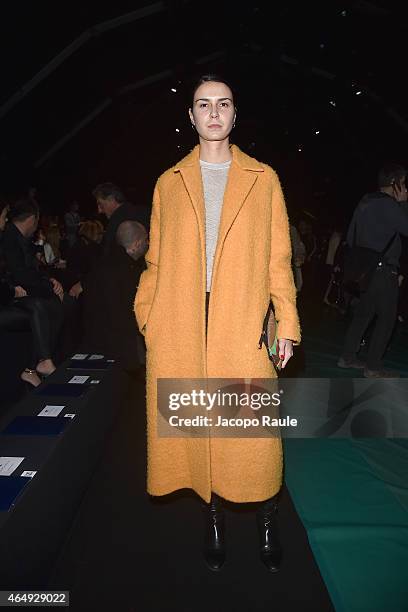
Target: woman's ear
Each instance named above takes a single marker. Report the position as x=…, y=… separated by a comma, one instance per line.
x=190, y=112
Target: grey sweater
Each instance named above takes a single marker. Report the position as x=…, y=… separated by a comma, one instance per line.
x=214, y=182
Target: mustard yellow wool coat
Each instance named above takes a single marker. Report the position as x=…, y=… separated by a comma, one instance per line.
x=252, y=263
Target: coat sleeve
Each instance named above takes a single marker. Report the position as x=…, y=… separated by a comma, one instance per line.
x=281, y=283
x=147, y=283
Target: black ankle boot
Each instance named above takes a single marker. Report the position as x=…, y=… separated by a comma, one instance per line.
x=270, y=548
x=214, y=539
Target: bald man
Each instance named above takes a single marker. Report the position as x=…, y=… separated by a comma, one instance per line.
x=132, y=236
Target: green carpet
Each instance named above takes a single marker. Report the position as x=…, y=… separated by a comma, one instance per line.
x=323, y=336
x=352, y=497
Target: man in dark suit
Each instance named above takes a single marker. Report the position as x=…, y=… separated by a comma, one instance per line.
x=44, y=301
x=109, y=291
x=113, y=204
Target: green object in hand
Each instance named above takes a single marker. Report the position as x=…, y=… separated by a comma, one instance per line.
x=273, y=350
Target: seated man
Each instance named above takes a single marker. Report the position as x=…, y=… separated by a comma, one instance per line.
x=13, y=319
x=45, y=300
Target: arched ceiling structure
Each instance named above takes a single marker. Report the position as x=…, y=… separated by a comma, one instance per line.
x=87, y=91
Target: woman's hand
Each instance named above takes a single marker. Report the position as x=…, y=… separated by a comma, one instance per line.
x=285, y=350
x=19, y=292
x=57, y=288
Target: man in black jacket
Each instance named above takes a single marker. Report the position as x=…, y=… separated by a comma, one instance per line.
x=113, y=204
x=109, y=290
x=44, y=301
x=19, y=252
x=108, y=299
x=378, y=221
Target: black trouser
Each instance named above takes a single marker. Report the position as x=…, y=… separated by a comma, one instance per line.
x=214, y=497
x=46, y=316
x=16, y=320
x=381, y=299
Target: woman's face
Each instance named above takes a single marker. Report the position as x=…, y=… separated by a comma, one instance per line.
x=213, y=111
x=3, y=218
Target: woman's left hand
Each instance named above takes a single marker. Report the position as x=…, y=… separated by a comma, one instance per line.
x=285, y=350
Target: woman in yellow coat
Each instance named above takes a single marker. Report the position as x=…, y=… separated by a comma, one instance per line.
x=219, y=246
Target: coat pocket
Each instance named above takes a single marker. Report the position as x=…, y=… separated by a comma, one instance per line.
x=149, y=326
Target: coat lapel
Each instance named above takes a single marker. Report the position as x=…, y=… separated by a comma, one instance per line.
x=190, y=171
x=242, y=176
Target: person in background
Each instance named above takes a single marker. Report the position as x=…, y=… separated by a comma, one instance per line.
x=309, y=268
x=71, y=222
x=111, y=203
x=44, y=301
x=53, y=239
x=108, y=297
x=378, y=220
x=132, y=237
x=84, y=256
x=403, y=284
x=298, y=257
x=45, y=253
x=333, y=245
x=9, y=295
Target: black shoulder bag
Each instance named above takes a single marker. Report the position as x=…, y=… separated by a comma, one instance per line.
x=360, y=264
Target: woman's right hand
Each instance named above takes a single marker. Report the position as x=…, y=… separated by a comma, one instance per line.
x=19, y=292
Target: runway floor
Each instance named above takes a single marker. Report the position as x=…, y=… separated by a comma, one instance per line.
x=128, y=552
